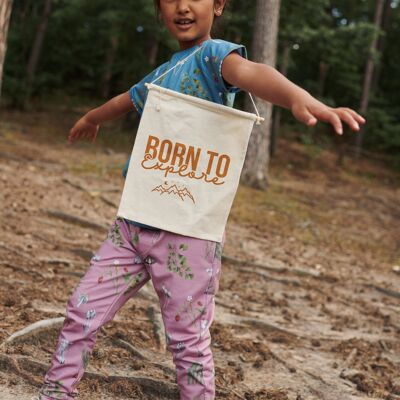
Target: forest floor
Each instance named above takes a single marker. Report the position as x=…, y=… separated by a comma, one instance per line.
x=309, y=299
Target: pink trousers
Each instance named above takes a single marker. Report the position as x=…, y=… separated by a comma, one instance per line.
x=185, y=273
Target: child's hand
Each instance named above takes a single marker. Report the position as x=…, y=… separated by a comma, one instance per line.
x=309, y=110
x=83, y=128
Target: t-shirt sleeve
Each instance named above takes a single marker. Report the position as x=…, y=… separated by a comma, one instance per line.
x=138, y=92
x=214, y=53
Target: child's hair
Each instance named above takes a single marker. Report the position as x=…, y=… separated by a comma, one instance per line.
x=158, y=10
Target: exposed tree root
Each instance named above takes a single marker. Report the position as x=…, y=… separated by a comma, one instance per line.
x=33, y=329
x=252, y=264
x=75, y=220
x=22, y=364
x=93, y=193
x=39, y=326
x=388, y=292
x=22, y=269
x=30, y=369
x=269, y=277
x=108, y=202
x=124, y=344
x=139, y=354
x=295, y=271
x=231, y=319
x=51, y=260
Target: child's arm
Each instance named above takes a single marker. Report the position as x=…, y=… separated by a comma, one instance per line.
x=89, y=124
x=267, y=83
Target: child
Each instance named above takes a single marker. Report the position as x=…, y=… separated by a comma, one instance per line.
x=134, y=253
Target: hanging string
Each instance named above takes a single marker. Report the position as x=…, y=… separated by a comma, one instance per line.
x=259, y=118
x=178, y=63
x=181, y=62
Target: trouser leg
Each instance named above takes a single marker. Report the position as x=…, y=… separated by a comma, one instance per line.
x=115, y=274
x=185, y=274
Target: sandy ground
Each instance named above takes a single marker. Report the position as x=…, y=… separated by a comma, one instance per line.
x=309, y=300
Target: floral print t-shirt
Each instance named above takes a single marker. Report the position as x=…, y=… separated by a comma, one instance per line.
x=199, y=76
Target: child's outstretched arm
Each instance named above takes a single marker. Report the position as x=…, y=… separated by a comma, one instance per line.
x=89, y=124
x=267, y=83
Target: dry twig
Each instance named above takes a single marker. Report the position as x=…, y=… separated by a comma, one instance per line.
x=34, y=329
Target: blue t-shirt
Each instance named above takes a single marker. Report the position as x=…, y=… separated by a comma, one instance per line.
x=199, y=76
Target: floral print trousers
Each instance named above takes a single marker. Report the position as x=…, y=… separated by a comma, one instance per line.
x=185, y=273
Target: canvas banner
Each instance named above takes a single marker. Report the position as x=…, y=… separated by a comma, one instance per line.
x=185, y=164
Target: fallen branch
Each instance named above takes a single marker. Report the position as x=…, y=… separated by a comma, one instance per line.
x=137, y=353
x=122, y=343
x=295, y=271
x=7, y=264
x=252, y=263
x=269, y=277
x=231, y=319
x=93, y=193
x=267, y=325
x=50, y=260
x=317, y=377
x=33, y=329
x=229, y=306
x=108, y=202
x=388, y=292
x=74, y=185
x=75, y=220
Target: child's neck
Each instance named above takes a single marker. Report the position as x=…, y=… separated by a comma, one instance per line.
x=187, y=44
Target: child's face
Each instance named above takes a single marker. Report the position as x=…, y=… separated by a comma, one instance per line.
x=199, y=13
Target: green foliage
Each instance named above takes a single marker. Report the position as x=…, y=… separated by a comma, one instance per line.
x=74, y=52
x=329, y=43
x=385, y=128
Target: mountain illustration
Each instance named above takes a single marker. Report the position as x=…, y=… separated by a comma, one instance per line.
x=174, y=190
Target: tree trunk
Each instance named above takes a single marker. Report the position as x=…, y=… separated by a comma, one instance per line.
x=5, y=13
x=369, y=71
x=264, y=46
x=276, y=120
x=37, y=45
x=110, y=57
x=382, y=41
